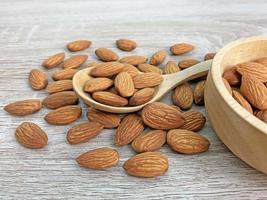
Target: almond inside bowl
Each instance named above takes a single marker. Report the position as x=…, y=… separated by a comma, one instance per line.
x=243, y=133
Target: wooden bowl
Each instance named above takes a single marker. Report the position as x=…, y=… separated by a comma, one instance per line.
x=244, y=134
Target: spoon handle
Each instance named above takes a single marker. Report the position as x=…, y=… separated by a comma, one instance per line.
x=196, y=71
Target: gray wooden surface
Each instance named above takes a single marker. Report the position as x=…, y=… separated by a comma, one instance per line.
x=32, y=30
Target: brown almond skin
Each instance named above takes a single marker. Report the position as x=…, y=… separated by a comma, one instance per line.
x=161, y=116
x=78, y=45
x=148, y=164
x=142, y=96
x=107, y=69
x=38, y=80
x=149, y=68
x=24, y=107
x=262, y=115
x=242, y=101
x=209, y=56
x=181, y=48
x=186, y=63
x=194, y=121
x=99, y=159
x=150, y=141
x=124, y=84
x=108, y=120
x=126, y=44
x=254, y=69
x=199, y=92
x=53, y=61
x=133, y=60
x=227, y=85
x=83, y=132
x=74, y=61
x=187, y=142
x=262, y=61
x=64, y=74
x=60, y=99
x=158, y=58
x=232, y=76
x=109, y=98
x=255, y=91
x=130, y=69
x=31, y=136
x=64, y=115
x=106, y=55
x=183, y=96
x=97, y=84
x=171, y=67
x=59, y=86
x=145, y=80
x=131, y=126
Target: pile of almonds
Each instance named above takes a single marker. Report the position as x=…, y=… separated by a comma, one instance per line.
x=246, y=82
x=118, y=82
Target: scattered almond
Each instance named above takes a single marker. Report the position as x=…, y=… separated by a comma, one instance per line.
x=149, y=68
x=149, y=79
x=98, y=159
x=75, y=61
x=107, y=69
x=64, y=74
x=183, y=64
x=38, y=79
x=158, y=57
x=109, y=98
x=126, y=45
x=182, y=96
x=59, y=86
x=124, y=84
x=30, y=135
x=142, y=96
x=199, y=92
x=171, y=67
x=53, y=61
x=194, y=121
x=130, y=69
x=106, y=55
x=133, y=60
x=209, y=56
x=78, y=45
x=25, y=107
x=97, y=84
x=181, y=48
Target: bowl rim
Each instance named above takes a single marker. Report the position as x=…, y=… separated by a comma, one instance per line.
x=216, y=75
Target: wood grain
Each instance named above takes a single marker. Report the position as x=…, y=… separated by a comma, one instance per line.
x=30, y=31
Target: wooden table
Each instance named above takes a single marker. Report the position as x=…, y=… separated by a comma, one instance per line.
x=32, y=30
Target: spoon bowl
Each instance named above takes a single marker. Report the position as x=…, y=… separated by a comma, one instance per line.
x=170, y=81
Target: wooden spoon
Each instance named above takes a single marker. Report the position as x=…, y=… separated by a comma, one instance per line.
x=170, y=81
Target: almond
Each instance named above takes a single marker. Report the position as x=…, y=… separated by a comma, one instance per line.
x=59, y=86
x=254, y=91
x=262, y=115
x=130, y=69
x=78, y=45
x=63, y=115
x=177, y=108
x=183, y=64
x=25, y=107
x=75, y=61
x=187, y=142
x=148, y=164
x=97, y=84
x=83, y=132
x=64, y=74
x=209, y=56
x=110, y=99
x=124, y=84
x=149, y=79
x=100, y=158
x=158, y=57
x=108, y=120
x=181, y=48
x=182, y=96
x=131, y=126
x=30, y=135
x=142, y=96
x=60, y=99
x=194, y=121
x=171, y=67
x=107, y=69
x=126, y=45
x=242, y=101
x=38, y=79
x=149, y=68
x=133, y=60
x=106, y=55
x=53, y=61
x=254, y=69
x=199, y=92
x=162, y=116
x=262, y=61
x=232, y=76
x=149, y=141
x=227, y=85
